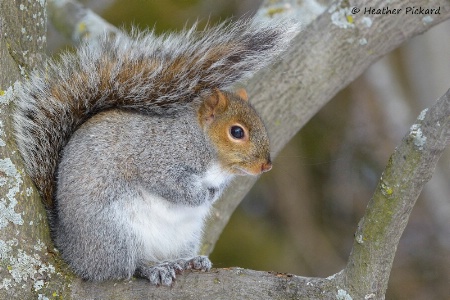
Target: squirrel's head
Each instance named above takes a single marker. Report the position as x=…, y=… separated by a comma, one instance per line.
x=236, y=131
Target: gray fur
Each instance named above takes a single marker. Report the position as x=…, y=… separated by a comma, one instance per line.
x=89, y=194
x=89, y=81
x=114, y=124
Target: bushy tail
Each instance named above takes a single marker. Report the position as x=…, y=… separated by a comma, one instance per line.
x=146, y=73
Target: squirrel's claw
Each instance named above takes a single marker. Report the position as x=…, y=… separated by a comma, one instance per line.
x=165, y=273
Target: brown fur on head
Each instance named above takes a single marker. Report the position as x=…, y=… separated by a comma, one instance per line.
x=236, y=131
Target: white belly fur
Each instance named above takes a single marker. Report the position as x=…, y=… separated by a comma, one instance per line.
x=166, y=230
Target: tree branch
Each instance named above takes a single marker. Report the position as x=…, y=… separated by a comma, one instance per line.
x=323, y=59
x=77, y=22
x=231, y=283
x=408, y=169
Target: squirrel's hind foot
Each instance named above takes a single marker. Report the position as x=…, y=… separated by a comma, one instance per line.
x=162, y=274
x=165, y=273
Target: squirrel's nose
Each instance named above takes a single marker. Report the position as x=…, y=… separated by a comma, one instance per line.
x=266, y=166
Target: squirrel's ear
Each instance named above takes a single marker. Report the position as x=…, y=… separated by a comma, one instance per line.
x=212, y=106
x=242, y=93
x=217, y=102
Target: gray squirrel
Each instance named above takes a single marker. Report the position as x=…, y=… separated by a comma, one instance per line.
x=130, y=140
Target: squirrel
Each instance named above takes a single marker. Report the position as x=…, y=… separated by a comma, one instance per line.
x=131, y=139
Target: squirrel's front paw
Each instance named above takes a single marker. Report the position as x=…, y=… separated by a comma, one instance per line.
x=201, y=263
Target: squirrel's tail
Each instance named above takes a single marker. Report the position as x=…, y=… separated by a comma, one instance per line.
x=146, y=73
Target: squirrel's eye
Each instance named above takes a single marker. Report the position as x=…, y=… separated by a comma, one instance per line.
x=237, y=132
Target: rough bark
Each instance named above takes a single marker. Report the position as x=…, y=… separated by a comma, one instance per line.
x=27, y=267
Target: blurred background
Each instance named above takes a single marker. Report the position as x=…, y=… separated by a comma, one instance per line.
x=300, y=217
